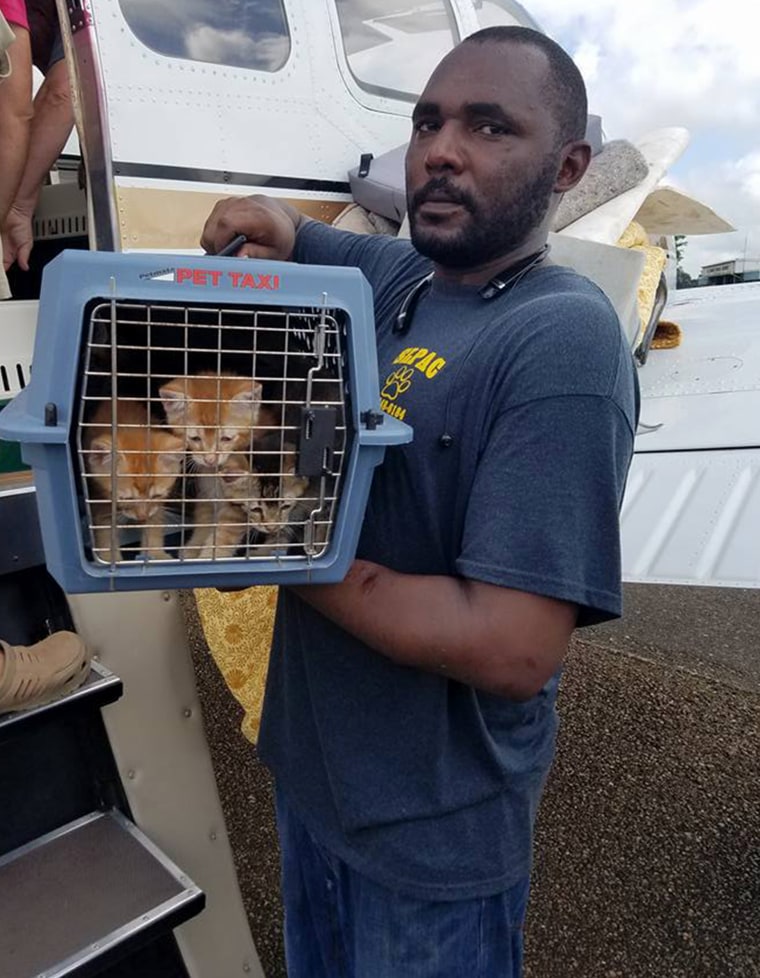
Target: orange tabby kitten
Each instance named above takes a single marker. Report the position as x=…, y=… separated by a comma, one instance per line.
x=215, y=415
x=148, y=464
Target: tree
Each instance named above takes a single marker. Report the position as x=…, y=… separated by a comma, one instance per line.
x=683, y=279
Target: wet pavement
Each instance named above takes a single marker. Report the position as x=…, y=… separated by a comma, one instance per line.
x=648, y=843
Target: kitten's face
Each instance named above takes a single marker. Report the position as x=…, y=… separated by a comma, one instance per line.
x=279, y=493
x=237, y=483
x=267, y=498
x=214, y=415
x=148, y=463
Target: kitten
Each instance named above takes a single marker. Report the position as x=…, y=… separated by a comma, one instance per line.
x=148, y=464
x=262, y=493
x=215, y=415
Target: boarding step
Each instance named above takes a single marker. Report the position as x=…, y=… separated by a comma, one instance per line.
x=99, y=689
x=78, y=899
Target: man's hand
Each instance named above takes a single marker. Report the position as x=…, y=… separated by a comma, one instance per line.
x=18, y=239
x=268, y=225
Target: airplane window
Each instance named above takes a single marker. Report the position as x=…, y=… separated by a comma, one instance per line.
x=240, y=33
x=392, y=46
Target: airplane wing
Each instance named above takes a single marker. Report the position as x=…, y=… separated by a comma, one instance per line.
x=691, y=513
x=670, y=211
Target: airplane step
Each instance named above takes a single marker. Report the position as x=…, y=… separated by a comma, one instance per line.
x=100, y=688
x=80, y=898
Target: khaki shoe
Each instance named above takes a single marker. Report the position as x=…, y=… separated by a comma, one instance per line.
x=36, y=675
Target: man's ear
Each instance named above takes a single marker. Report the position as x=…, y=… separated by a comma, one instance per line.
x=576, y=157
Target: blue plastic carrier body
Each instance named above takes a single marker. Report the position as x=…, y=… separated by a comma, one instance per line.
x=43, y=415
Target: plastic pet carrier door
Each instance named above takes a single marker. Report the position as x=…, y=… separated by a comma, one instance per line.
x=212, y=423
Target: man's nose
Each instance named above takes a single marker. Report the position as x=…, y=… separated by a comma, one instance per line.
x=444, y=149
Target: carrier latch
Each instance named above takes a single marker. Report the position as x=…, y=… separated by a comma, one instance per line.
x=316, y=441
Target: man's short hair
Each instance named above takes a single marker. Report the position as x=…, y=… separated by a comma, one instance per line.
x=565, y=87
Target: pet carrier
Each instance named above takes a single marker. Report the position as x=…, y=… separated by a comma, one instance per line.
x=200, y=421
x=16, y=344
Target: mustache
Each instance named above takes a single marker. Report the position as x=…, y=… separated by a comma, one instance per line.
x=440, y=185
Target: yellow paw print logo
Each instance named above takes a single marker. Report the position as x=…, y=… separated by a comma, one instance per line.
x=398, y=383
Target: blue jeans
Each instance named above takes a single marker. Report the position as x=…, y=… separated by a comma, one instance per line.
x=339, y=924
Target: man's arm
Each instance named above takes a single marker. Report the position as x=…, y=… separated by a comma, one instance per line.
x=15, y=119
x=52, y=123
x=497, y=639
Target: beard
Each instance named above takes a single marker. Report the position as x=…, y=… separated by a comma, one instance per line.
x=492, y=230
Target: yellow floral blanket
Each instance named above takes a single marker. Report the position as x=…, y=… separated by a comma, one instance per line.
x=238, y=628
x=654, y=263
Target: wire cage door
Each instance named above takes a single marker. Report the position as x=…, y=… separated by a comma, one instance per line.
x=210, y=432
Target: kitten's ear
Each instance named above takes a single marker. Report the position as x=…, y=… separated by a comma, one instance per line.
x=174, y=398
x=99, y=455
x=172, y=449
x=167, y=442
x=102, y=445
x=251, y=392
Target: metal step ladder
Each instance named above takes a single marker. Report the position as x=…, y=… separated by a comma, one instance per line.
x=82, y=890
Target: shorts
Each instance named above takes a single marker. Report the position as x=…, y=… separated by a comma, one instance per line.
x=7, y=37
x=15, y=12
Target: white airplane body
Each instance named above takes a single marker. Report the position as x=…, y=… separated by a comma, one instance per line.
x=168, y=127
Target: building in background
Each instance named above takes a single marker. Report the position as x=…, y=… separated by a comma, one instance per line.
x=729, y=272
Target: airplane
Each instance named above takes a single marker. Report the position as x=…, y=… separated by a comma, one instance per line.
x=179, y=105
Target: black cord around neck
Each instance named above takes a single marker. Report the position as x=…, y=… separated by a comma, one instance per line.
x=497, y=285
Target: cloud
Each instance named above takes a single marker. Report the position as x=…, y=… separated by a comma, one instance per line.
x=265, y=52
x=662, y=62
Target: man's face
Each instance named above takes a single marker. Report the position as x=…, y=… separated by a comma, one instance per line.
x=483, y=157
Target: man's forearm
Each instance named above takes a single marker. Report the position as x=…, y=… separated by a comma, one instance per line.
x=493, y=638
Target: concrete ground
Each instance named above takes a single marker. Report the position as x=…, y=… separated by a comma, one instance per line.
x=647, y=855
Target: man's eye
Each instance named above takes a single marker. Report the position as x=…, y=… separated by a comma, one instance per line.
x=492, y=129
x=426, y=125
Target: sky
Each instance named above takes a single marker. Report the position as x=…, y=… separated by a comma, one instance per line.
x=690, y=63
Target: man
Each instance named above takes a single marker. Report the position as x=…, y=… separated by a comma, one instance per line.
x=409, y=718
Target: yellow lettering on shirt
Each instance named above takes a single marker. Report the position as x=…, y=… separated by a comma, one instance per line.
x=426, y=361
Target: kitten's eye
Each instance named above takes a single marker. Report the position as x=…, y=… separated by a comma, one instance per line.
x=286, y=507
x=195, y=439
x=225, y=438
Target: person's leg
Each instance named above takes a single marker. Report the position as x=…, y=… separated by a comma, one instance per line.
x=15, y=118
x=51, y=125
x=395, y=936
x=339, y=924
x=313, y=939
x=34, y=675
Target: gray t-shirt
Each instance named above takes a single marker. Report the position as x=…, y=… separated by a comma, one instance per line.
x=421, y=782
